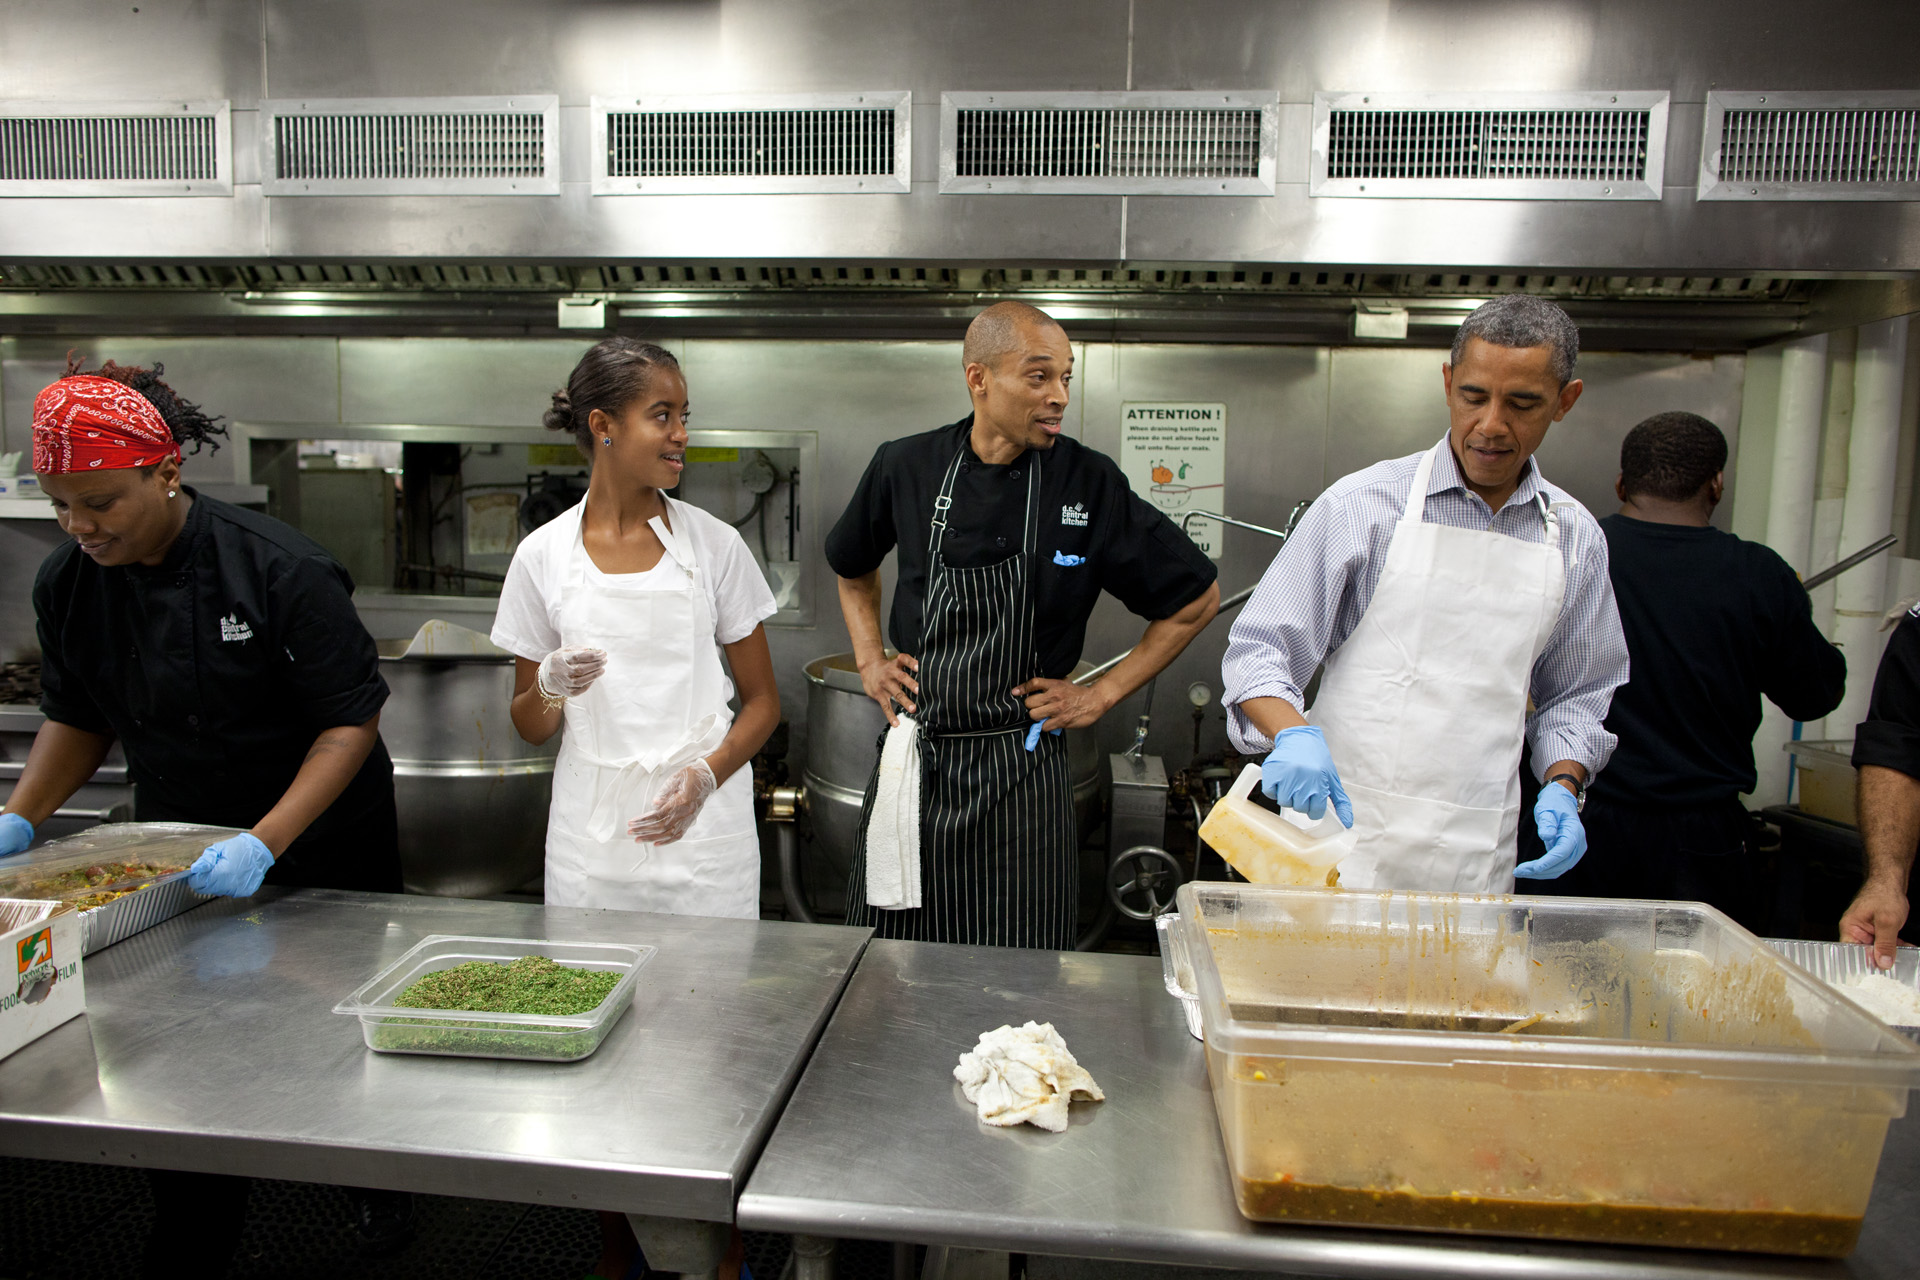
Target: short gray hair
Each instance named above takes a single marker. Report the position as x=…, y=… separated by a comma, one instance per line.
x=1522, y=320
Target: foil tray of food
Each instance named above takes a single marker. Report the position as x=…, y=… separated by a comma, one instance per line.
x=121, y=877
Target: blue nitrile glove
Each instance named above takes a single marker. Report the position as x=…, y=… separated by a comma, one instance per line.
x=1033, y=734
x=16, y=833
x=1557, y=814
x=232, y=868
x=1299, y=774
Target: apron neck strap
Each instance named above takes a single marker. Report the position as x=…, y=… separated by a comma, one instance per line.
x=937, y=527
x=1416, y=510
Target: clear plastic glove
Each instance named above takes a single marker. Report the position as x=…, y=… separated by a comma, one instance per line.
x=677, y=805
x=1557, y=816
x=16, y=833
x=231, y=868
x=567, y=671
x=1299, y=774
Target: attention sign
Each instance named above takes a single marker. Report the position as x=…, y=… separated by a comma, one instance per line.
x=1174, y=454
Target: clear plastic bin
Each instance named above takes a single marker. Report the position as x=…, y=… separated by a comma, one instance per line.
x=1628, y=1072
x=390, y=1028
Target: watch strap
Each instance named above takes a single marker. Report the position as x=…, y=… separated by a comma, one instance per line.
x=1579, y=789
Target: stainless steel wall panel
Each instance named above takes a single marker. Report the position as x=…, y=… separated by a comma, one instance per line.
x=922, y=226
x=477, y=382
x=141, y=229
x=1300, y=46
x=1675, y=236
x=367, y=48
x=103, y=49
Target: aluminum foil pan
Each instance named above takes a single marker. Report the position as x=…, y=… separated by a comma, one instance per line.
x=164, y=844
x=1834, y=963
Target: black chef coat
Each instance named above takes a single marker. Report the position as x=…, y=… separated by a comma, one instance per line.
x=1087, y=509
x=1890, y=735
x=216, y=670
x=1712, y=623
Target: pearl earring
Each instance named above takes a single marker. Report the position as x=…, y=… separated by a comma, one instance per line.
x=171, y=494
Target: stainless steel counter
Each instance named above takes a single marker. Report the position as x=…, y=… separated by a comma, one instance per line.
x=878, y=1142
x=210, y=1044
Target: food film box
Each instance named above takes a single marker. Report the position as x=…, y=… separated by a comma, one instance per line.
x=41, y=985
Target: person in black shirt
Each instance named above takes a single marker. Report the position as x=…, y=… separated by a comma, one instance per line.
x=1712, y=624
x=1886, y=751
x=1006, y=533
x=223, y=650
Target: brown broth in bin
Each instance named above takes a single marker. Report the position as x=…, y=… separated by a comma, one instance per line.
x=1815, y=1235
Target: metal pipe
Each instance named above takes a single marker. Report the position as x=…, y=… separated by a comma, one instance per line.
x=786, y=845
x=1861, y=556
x=1088, y=676
x=813, y=1257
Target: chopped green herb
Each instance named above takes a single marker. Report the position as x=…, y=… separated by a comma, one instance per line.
x=530, y=984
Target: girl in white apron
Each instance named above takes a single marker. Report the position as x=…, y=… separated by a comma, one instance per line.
x=616, y=612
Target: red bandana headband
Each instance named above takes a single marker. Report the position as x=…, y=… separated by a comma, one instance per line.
x=89, y=423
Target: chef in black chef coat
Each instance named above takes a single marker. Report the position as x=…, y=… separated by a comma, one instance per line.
x=1006, y=532
x=221, y=647
x=1886, y=751
x=1713, y=624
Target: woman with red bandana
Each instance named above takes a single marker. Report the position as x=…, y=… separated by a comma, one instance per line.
x=222, y=649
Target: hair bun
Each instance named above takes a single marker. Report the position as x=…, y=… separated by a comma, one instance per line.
x=559, y=416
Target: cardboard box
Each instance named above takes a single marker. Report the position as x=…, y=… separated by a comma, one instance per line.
x=41, y=982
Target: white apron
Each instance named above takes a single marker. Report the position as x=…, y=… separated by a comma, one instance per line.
x=1424, y=707
x=660, y=705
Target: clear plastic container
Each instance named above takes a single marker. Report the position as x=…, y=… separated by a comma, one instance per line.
x=1269, y=847
x=1627, y=1072
x=390, y=1028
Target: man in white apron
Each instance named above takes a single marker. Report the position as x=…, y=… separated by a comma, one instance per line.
x=1462, y=607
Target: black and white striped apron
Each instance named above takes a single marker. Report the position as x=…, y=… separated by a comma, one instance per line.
x=998, y=843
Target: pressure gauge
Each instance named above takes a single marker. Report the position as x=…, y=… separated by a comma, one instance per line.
x=1199, y=693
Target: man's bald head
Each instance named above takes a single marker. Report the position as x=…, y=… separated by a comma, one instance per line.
x=1001, y=330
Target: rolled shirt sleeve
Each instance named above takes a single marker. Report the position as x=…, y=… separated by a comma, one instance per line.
x=1584, y=661
x=1297, y=614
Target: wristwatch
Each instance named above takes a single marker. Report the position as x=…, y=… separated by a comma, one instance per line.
x=1579, y=790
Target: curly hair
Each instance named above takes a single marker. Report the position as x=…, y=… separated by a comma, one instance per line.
x=1671, y=456
x=189, y=424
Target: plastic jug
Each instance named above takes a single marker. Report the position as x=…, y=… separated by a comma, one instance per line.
x=1275, y=848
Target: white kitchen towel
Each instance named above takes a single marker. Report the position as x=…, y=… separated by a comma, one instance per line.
x=1027, y=1073
x=893, y=828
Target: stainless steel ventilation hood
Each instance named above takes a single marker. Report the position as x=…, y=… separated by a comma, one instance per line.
x=1684, y=174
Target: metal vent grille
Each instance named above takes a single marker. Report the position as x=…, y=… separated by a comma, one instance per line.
x=1108, y=143
x=1585, y=146
x=117, y=149
x=752, y=144
x=1811, y=146
x=410, y=146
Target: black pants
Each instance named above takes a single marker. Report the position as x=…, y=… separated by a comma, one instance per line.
x=1694, y=853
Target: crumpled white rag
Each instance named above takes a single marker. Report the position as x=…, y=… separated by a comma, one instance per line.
x=1024, y=1073
x=893, y=827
